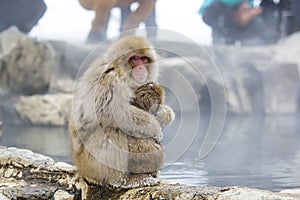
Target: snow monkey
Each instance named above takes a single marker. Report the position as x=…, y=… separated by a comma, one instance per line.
x=114, y=142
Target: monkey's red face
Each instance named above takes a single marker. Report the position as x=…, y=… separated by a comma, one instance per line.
x=139, y=65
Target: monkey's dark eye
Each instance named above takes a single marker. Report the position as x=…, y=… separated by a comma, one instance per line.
x=134, y=58
x=145, y=58
x=137, y=60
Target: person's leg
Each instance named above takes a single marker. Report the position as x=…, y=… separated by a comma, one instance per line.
x=139, y=15
x=151, y=20
x=296, y=14
x=99, y=24
x=6, y=14
x=25, y=16
x=125, y=12
x=219, y=17
x=87, y=4
x=30, y=14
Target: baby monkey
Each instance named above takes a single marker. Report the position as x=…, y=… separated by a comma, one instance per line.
x=146, y=153
x=149, y=97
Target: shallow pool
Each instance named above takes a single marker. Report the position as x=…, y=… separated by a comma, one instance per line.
x=253, y=151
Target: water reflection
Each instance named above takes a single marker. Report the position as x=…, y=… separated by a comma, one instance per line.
x=190, y=172
x=52, y=141
x=257, y=152
x=254, y=151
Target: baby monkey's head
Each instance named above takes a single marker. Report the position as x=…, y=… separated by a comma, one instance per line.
x=149, y=97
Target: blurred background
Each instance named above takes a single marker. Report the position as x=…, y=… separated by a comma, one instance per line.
x=67, y=20
x=230, y=70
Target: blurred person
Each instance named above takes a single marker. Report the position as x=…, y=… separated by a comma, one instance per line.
x=241, y=21
x=296, y=14
x=102, y=10
x=24, y=14
x=290, y=16
x=150, y=21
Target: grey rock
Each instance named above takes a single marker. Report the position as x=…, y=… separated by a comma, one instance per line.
x=255, y=194
x=255, y=79
x=69, y=58
x=50, y=109
x=295, y=192
x=25, y=63
x=63, y=195
x=1, y=124
x=280, y=90
x=183, y=82
x=62, y=85
x=269, y=88
x=28, y=175
x=287, y=50
x=259, y=79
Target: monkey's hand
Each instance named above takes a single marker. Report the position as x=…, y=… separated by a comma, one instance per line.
x=165, y=115
x=138, y=123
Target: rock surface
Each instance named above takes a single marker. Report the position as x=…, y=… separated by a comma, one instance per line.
x=259, y=80
x=69, y=59
x=262, y=79
x=50, y=109
x=1, y=124
x=27, y=175
x=25, y=63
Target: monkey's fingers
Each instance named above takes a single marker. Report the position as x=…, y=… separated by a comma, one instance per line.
x=165, y=115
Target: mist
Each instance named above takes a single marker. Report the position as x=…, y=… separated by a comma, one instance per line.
x=67, y=20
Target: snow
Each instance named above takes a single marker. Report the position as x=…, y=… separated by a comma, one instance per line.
x=67, y=20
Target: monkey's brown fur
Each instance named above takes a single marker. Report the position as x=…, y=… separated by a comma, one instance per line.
x=114, y=142
x=148, y=97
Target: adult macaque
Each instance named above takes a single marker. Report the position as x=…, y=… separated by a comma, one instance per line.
x=102, y=10
x=114, y=142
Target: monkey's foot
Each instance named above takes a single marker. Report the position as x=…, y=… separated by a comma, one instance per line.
x=138, y=180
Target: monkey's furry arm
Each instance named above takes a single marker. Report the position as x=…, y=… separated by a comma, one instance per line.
x=109, y=109
x=134, y=121
x=111, y=96
x=137, y=122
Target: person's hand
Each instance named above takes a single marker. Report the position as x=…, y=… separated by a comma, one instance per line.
x=245, y=13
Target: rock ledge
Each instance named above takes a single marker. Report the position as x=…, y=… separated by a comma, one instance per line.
x=28, y=175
